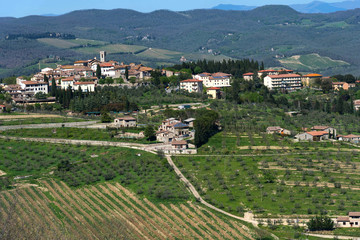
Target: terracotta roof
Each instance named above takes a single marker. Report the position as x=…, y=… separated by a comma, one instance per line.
x=317, y=133
x=319, y=127
x=106, y=65
x=343, y=219
x=214, y=88
x=67, y=66
x=68, y=79
x=248, y=74
x=179, y=143
x=338, y=83
x=81, y=61
x=84, y=83
x=127, y=118
x=275, y=128
x=191, y=80
x=351, y=136
x=284, y=76
x=33, y=83
x=313, y=75
x=354, y=214
x=267, y=70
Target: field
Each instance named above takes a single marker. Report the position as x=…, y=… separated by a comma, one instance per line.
x=22, y=121
x=110, y=211
x=275, y=179
x=59, y=43
x=73, y=133
x=311, y=62
x=159, y=54
x=112, y=48
x=101, y=206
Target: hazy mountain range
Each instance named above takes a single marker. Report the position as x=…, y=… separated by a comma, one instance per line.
x=277, y=35
x=312, y=7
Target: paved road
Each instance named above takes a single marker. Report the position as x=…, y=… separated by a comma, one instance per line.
x=48, y=125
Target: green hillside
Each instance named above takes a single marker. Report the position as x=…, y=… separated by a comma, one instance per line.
x=261, y=34
x=311, y=62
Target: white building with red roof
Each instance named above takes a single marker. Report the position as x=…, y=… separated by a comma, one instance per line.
x=34, y=87
x=248, y=76
x=352, y=220
x=84, y=86
x=288, y=82
x=192, y=85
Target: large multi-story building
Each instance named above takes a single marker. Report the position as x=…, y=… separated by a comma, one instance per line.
x=288, y=82
x=192, y=85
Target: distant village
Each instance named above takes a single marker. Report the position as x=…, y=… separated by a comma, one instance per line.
x=86, y=75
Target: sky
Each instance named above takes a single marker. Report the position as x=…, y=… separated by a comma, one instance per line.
x=21, y=8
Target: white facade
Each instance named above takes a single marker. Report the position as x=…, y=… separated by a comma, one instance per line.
x=217, y=82
x=34, y=87
x=66, y=82
x=289, y=82
x=192, y=85
x=85, y=86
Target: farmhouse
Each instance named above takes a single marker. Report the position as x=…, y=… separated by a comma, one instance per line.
x=272, y=130
x=330, y=130
x=179, y=144
x=351, y=138
x=172, y=129
x=125, y=122
x=288, y=82
x=313, y=136
x=213, y=92
x=352, y=220
x=192, y=85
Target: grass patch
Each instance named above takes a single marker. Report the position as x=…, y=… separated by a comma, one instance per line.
x=24, y=121
x=74, y=133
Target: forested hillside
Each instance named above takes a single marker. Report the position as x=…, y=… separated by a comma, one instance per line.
x=268, y=34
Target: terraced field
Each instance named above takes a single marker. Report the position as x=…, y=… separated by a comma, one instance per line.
x=311, y=62
x=110, y=211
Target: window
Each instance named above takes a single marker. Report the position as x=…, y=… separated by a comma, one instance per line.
x=356, y=223
x=344, y=223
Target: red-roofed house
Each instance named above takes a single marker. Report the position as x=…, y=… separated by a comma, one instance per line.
x=248, y=76
x=125, y=122
x=330, y=130
x=289, y=82
x=213, y=92
x=34, y=87
x=179, y=144
x=352, y=220
x=350, y=138
x=192, y=85
x=315, y=136
x=85, y=86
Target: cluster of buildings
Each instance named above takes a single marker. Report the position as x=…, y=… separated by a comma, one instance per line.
x=80, y=75
x=285, y=79
x=352, y=220
x=213, y=82
x=315, y=134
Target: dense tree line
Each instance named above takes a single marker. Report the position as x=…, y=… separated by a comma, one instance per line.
x=320, y=223
x=234, y=67
x=40, y=35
